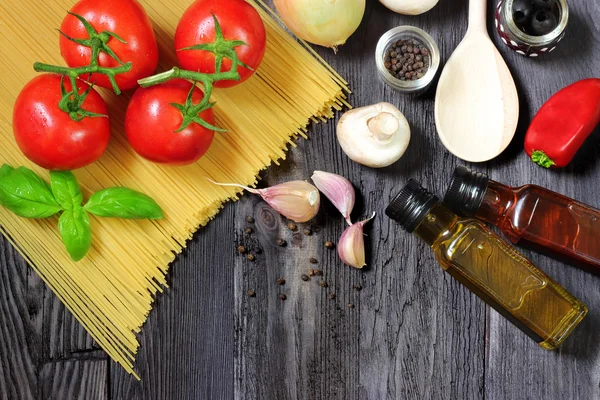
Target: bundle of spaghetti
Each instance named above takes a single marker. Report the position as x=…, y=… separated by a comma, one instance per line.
x=111, y=290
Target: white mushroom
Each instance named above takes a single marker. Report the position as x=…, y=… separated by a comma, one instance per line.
x=409, y=7
x=375, y=136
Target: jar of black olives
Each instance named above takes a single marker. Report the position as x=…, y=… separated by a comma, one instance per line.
x=532, y=27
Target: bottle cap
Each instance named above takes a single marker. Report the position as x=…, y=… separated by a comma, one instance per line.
x=411, y=205
x=466, y=191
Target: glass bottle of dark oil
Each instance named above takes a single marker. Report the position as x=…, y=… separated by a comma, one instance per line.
x=490, y=267
x=541, y=217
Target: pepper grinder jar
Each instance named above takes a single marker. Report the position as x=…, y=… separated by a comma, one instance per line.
x=526, y=44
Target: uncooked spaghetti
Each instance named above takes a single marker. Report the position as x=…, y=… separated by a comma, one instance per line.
x=111, y=290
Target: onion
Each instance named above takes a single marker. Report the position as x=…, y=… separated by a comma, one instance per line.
x=324, y=22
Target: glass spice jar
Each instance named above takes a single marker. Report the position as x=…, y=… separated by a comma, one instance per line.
x=523, y=43
x=404, y=33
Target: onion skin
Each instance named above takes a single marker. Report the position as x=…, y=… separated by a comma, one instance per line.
x=328, y=23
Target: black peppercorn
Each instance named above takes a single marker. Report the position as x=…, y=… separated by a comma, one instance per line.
x=241, y=249
x=280, y=281
x=251, y=293
x=248, y=230
x=292, y=226
x=282, y=296
x=308, y=232
x=313, y=260
x=331, y=296
x=305, y=277
x=329, y=244
x=281, y=242
x=250, y=257
x=350, y=305
x=250, y=219
x=323, y=284
x=357, y=286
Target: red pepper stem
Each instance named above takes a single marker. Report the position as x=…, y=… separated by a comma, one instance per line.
x=541, y=159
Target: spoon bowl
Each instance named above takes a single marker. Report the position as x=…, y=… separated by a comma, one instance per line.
x=476, y=105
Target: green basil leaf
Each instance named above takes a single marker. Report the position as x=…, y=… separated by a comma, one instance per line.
x=74, y=227
x=65, y=189
x=120, y=202
x=23, y=192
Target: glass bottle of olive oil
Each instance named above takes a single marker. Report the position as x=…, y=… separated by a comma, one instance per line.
x=490, y=267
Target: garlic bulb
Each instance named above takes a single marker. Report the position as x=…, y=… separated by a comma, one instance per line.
x=324, y=22
x=375, y=135
x=409, y=7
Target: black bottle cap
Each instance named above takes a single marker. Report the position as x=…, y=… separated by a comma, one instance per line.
x=411, y=205
x=466, y=191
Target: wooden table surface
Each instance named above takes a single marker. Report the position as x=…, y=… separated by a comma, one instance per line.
x=414, y=332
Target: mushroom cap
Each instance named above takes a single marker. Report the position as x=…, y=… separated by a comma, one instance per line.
x=366, y=147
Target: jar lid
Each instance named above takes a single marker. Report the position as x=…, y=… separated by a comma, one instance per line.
x=411, y=205
x=466, y=191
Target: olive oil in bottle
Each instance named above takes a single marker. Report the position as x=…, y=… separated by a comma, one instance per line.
x=490, y=267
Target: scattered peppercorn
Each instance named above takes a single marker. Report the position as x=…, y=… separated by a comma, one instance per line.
x=357, y=286
x=251, y=293
x=350, y=305
x=305, y=277
x=331, y=296
x=323, y=284
x=250, y=219
x=251, y=257
x=292, y=226
x=308, y=232
x=329, y=244
x=282, y=296
x=281, y=242
x=407, y=60
x=313, y=260
x=318, y=272
x=280, y=281
x=248, y=230
x=241, y=249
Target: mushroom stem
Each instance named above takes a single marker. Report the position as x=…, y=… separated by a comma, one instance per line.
x=383, y=126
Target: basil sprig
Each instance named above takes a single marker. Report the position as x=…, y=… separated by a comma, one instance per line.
x=26, y=194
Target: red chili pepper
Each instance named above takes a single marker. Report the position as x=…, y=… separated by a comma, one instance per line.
x=563, y=124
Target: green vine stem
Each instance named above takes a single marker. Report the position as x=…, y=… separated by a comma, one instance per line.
x=98, y=42
x=73, y=73
x=221, y=48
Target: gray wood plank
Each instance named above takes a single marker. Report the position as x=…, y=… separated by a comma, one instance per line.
x=187, y=343
x=36, y=334
x=516, y=367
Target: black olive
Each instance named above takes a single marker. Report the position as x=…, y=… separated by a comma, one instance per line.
x=522, y=11
x=543, y=4
x=543, y=22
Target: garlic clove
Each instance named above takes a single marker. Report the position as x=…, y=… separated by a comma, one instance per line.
x=295, y=200
x=375, y=135
x=351, y=246
x=338, y=190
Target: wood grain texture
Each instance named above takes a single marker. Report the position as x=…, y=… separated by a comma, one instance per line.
x=187, y=343
x=37, y=336
x=414, y=333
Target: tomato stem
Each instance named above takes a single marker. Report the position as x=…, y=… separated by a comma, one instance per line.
x=72, y=101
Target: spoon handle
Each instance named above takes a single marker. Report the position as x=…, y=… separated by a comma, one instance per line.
x=477, y=21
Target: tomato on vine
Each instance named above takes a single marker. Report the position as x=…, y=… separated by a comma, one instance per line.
x=207, y=46
x=59, y=128
x=112, y=33
x=170, y=123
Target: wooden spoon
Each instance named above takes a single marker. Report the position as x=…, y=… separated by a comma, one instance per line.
x=476, y=105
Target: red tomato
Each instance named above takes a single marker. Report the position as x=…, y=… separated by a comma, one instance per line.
x=151, y=122
x=48, y=136
x=238, y=21
x=127, y=19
